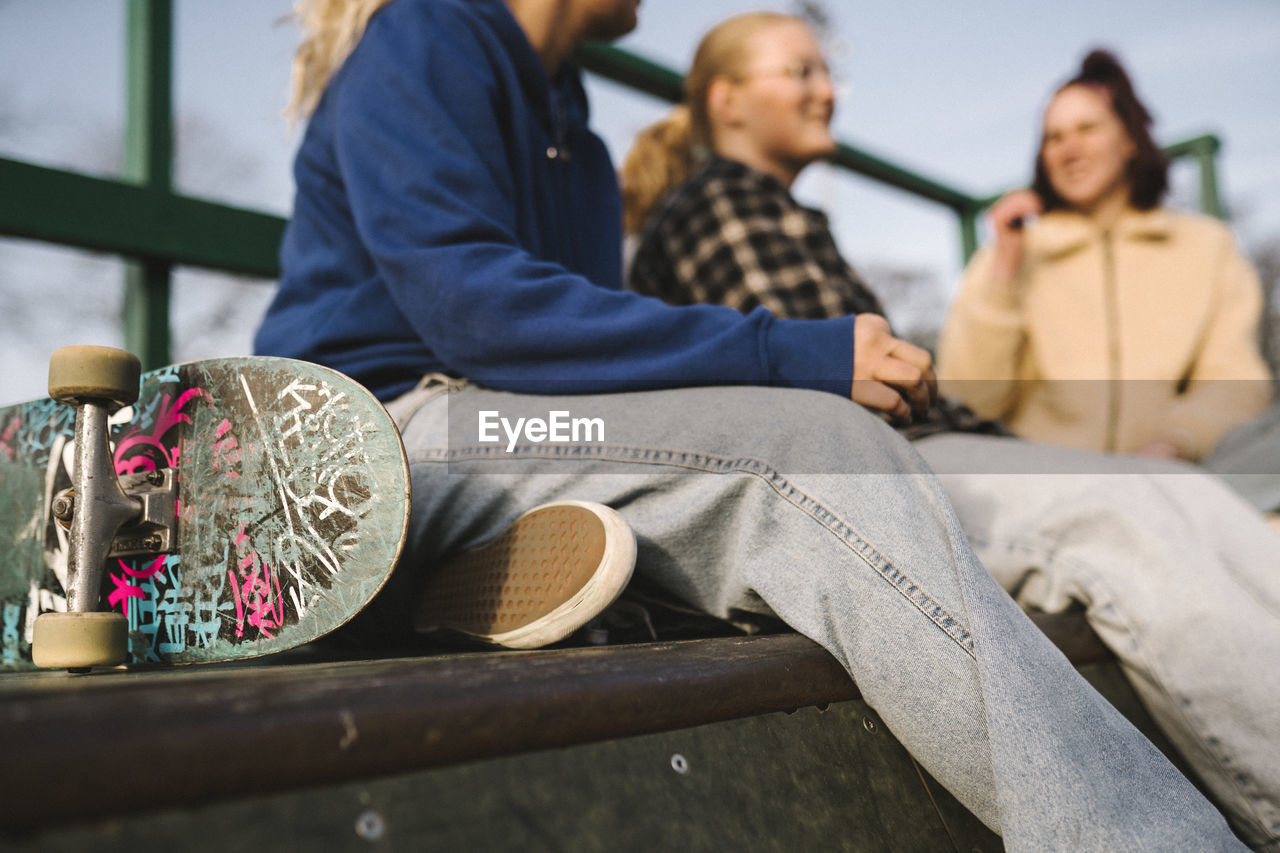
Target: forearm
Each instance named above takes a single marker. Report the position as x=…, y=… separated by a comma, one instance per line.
x=982, y=348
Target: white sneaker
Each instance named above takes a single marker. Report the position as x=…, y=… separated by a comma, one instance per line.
x=547, y=575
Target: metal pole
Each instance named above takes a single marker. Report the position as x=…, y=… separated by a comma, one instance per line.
x=968, y=231
x=148, y=161
x=1210, y=200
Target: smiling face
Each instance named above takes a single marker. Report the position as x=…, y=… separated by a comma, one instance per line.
x=775, y=113
x=1086, y=151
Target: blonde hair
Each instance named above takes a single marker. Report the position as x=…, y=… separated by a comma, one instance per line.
x=331, y=29
x=665, y=153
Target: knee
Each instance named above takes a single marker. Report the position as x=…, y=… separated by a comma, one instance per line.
x=823, y=433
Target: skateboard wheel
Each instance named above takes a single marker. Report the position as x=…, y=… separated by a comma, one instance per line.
x=94, y=373
x=80, y=640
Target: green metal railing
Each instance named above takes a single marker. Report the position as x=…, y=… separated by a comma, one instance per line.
x=148, y=162
x=645, y=76
x=142, y=219
x=663, y=83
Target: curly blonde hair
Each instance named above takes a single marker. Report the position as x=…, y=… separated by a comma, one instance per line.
x=331, y=29
x=665, y=153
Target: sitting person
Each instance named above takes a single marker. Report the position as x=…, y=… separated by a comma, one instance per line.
x=1064, y=328
x=456, y=245
x=1175, y=573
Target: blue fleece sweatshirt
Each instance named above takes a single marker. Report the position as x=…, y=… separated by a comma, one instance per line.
x=455, y=214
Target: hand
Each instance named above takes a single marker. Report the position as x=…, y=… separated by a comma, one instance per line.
x=1007, y=217
x=890, y=375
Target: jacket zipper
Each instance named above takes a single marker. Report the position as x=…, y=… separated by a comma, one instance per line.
x=1113, y=341
x=558, y=154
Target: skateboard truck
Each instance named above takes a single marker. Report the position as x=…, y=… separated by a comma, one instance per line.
x=97, y=381
x=152, y=530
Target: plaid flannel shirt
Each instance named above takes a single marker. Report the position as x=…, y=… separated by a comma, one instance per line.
x=734, y=236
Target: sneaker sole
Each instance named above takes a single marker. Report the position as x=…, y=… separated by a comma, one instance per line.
x=547, y=575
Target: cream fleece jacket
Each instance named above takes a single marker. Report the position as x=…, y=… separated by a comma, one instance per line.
x=1164, y=301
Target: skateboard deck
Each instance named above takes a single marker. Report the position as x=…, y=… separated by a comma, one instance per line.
x=291, y=499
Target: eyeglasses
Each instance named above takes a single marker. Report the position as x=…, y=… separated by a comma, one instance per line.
x=803, y=71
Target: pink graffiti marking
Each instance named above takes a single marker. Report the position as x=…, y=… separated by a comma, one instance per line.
x=125, y=589
x=257, y=602
x=10, y=430
x=226, y=451
x=136, y=452
x=256, y=590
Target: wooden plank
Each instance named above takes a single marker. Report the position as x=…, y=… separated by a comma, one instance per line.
x=269, y=727
x=193, y=736
x=810, y=780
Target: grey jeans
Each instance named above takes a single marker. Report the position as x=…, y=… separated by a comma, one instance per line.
x=1248, y=459
x=804, y=505
x=1177, y=574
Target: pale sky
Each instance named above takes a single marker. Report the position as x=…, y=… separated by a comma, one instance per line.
x=952, y=90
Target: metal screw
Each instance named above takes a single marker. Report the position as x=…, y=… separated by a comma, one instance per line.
x=680, y=764
x=869, y=724
x=155, y=478
x=64, y=507
x=370, y=826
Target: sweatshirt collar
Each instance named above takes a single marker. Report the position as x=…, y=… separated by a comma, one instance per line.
x=1061, y=232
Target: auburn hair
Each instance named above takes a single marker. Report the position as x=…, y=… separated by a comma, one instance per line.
x=1148, y=170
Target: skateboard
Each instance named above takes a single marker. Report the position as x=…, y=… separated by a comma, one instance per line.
x=217, y=510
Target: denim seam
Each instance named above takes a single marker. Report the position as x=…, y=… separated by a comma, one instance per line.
x=919, y=599
x=1247, y=790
